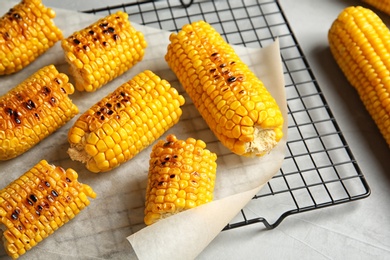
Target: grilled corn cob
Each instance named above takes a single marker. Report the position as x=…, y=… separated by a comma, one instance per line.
x=123, y=123
x=382, y=5
x=26, y=31
x=103, y=51
x=33, y=110
x=231, y=99
x=181, y=176
x=360, y=44
x=38, y=203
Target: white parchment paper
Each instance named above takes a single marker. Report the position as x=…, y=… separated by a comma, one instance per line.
x=115, y=217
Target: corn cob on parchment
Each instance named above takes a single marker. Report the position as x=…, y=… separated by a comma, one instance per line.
x=125, y=122
x=382, y=5
x=360, y=44
x=38, y=203
x=33, y=110
x=181, y=176
x=103, y=51
x=232, y=100
x=26, y=31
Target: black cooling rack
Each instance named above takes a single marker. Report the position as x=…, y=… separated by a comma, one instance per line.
x=319, y=169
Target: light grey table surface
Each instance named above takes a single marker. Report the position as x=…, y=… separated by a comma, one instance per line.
x=356, y=230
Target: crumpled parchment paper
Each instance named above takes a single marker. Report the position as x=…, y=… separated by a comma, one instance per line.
x=115, y=217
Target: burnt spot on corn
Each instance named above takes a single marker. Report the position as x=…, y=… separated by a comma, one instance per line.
x=58, y=81
x=9, y=111
x=17, y=16
x=54, y=193
x=29, y=104
x=91, y=32
x=115, y=37
x=16, y=117
x=6, y=36
x=33, y=198
x=103, y=25
x=29, y=202
x=76, y=41
x=46, y=91
x=231, y=79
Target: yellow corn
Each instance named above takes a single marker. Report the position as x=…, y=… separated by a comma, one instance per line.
x=125, y=122
x=360, y=44
x=103, y=51
x=33, y=110
x=231, y=99
x=181, y=176
x=26, y=31
x=382, y=5
x=38, y=203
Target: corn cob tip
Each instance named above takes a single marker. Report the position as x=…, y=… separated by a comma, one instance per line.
x=39, y=202
x=181, y=176
x=26, y=31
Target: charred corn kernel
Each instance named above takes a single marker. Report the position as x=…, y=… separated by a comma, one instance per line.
x=116, y=128
x=33, y=110
x=26, y=31
x=169, y=190
x=45, y=200
x=382, y=5
x=359, y=42
x=102, y=51
x=224, y=90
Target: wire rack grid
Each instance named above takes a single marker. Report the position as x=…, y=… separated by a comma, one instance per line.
x=319, y=169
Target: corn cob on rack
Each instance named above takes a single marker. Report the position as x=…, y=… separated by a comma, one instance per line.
x=38, y=203
x=359, y=42
x=382, y=5
x=125, y=122
x=231, y=99
x=26, y=31
x=181, y=176
x=103, y=51
x=33, y=110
